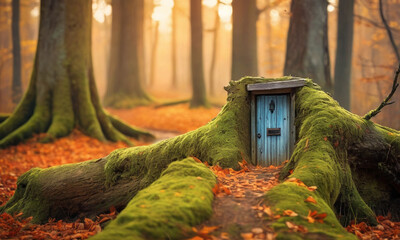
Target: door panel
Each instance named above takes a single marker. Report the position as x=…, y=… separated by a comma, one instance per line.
x=273, y=113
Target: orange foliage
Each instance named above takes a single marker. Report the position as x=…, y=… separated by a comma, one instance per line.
x=386, y=229
x=14, y=227
x=178, y=118
x=310, y=199
x=314, y=216
x=16, y=160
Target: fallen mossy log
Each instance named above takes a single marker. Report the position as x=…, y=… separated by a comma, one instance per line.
x=335, y=151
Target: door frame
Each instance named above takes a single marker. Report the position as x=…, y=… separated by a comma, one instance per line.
x=272, y=88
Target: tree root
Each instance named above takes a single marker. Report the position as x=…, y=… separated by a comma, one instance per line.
x=333, y=144
x=4, y=117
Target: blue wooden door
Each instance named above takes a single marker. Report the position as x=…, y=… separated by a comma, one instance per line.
x=272, y=129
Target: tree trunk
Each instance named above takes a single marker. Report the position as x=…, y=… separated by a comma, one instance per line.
x=214, y=54
x=196, y=29
x=307, y=53
x=173, y=47
x=244, y=39
x=16, y=50
x=270, y=52
x=344, y=51
x=62, y=93
x=352, y=163
x=153, y=60
x=126, y=73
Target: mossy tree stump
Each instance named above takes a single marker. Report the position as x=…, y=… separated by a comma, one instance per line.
x=335, y=151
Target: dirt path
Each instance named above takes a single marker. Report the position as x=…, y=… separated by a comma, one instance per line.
x=238, y=209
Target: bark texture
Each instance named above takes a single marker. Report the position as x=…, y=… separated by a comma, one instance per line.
x=352, y=162
x=199, y=97
x=126, y=73
x=307, y=52
x=62, y=93
x=344, y=51
x=244, y=39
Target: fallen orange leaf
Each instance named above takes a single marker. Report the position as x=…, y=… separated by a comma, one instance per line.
x=268, y=211
x=290, y=213
x=314, y=216
x=312, y=188
x=310, y=199
x=197, y=160
x=246, y=235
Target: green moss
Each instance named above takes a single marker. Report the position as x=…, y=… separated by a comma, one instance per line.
x=3, y=117
x=167, y=209
x=325, y=131
x=223, y=141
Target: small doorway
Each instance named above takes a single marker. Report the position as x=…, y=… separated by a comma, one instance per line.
x=273, y=129
x=272, y=120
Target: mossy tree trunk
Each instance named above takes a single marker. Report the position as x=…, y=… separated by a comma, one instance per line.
x=307, y=53
x=126, y=72
x=62, y=93
x=199, y=97
x=352, y=162
x=244, y=39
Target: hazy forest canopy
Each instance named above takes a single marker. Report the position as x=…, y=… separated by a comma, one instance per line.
x=201, y=80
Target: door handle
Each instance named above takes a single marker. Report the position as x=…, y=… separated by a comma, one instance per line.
x=258, y=135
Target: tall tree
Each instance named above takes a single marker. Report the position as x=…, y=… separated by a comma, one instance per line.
x=344, y=51
x=16, y=50
x=62, y=93
x=307, y=53
x=173, y=47
x=244, y=38
x=268, y=32
x=126, y=73
x=196, y=30
x=214, y=53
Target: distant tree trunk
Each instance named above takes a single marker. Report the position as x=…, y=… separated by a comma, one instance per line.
x=126, y=73
x=153, y=54
x=270, y=51
x=196, y=29
x=16, y=50
x=214, y=54
x=62, y=93
x=173, y=49
x=344, y=51
x=244, y=39
x=307, y=53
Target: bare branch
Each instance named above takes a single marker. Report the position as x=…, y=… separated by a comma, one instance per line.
x=388, y=30
x=385, y=102
x=372, y=22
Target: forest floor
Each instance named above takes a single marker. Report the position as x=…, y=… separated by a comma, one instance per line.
x=238, y=211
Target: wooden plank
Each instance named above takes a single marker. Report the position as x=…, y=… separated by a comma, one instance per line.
x=253, y=129
x=260, y=123
x=276, y=85
x=272, y=141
